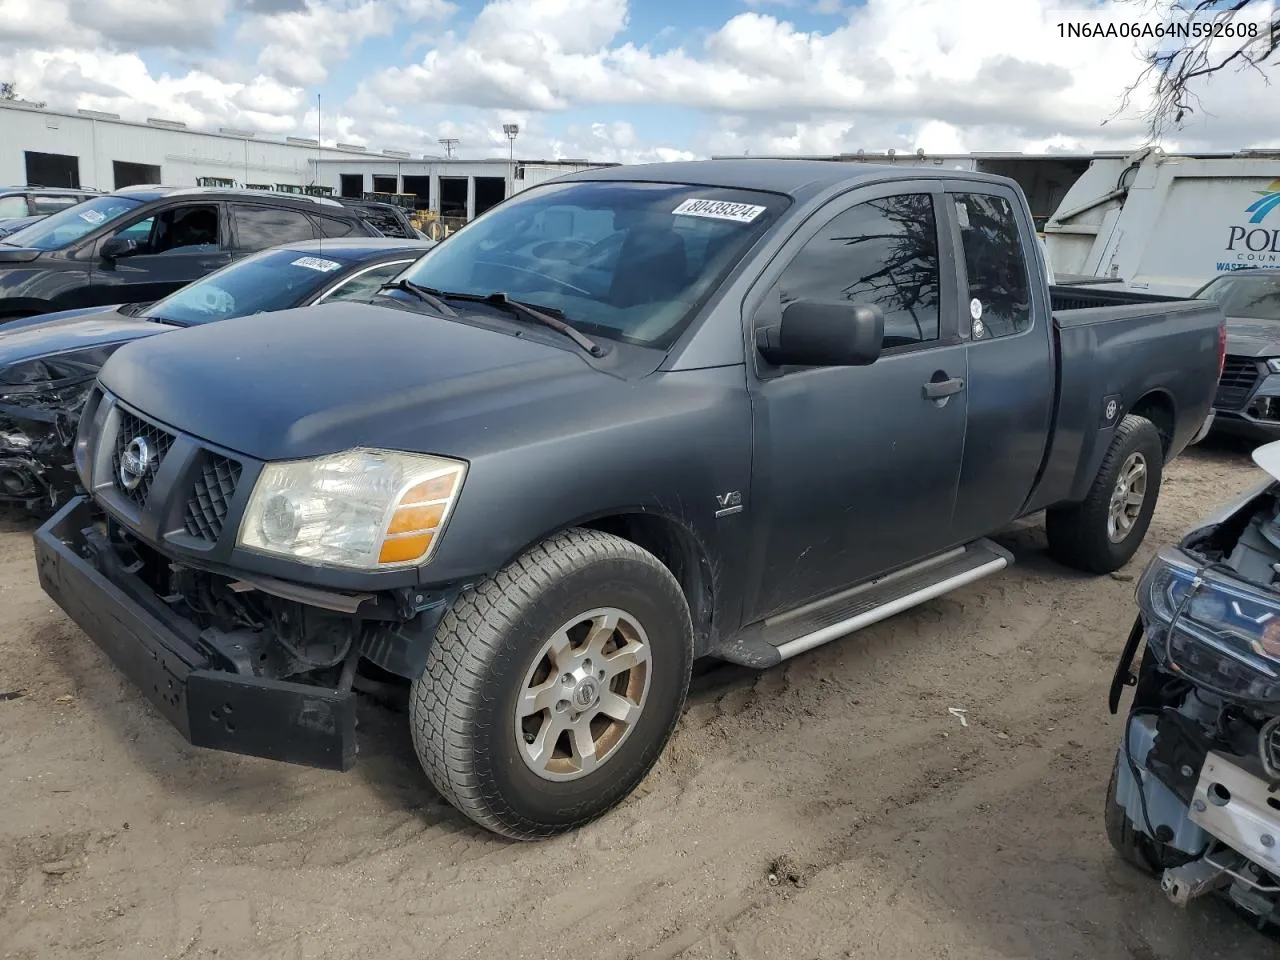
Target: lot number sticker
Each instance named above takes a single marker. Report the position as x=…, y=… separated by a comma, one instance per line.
x=719, y=210
x=92, y=216
x=315, y=263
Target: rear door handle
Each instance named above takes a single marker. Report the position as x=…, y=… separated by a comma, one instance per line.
x=937, y=389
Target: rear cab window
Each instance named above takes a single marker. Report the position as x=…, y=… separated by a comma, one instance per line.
x=998, y=301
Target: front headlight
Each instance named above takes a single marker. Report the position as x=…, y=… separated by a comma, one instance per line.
x=1274, y=364
x=368, y=509
x=1217, y=630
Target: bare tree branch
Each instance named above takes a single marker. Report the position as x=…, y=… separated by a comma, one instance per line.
x=1224, y=39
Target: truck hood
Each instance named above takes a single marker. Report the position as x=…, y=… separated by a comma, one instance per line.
x=77, y=330
x=1252, y=338
x=316, y=380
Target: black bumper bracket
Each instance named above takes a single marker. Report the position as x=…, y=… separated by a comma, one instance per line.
x=161, y=654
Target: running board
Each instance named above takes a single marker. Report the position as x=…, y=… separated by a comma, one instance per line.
x=781, y=637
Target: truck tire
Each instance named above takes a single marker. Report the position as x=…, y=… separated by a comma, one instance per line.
x=1136, y=848
x=1104, y=531
x=552, y=687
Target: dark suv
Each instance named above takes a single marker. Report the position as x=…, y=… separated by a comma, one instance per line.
x=142, y=243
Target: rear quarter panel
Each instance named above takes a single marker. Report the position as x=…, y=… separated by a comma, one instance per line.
x=1131, y=354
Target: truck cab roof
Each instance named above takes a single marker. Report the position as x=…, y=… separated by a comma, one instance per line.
x=799, y=179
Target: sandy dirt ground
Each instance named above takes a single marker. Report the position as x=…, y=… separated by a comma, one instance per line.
x=831, y=808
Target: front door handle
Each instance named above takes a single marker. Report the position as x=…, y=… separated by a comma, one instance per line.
x=938, y=389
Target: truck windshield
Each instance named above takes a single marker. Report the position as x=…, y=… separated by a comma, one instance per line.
x=66, y=226
x=628, y=260
x=1253, y=297
x=272, y=280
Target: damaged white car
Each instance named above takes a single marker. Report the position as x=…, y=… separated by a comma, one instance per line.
x=1195, y=793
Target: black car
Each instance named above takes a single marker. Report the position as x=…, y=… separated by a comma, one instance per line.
x=34, y=201
x=48, y=362
x=1248, y=399
x=142, y=243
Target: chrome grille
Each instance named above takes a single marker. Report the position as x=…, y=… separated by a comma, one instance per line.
x=1239, y=377
x=211, y=497
x=157, y=443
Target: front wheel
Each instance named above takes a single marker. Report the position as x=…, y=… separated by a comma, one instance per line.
x=552, y=687
x=1102, y=533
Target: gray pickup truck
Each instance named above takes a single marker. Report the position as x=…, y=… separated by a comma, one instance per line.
x=624, y=420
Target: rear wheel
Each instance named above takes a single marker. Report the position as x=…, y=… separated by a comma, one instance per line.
x=552, y=687
x=1103, y=532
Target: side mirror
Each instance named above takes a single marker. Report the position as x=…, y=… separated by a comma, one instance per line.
x=815, y=333
x=118, y=247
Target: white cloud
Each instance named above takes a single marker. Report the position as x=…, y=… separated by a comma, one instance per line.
x=113, y=23
x=301, y=44
x=944, y=75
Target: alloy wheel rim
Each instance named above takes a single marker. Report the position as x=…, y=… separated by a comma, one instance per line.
x=1127, y=497
x=583, y=694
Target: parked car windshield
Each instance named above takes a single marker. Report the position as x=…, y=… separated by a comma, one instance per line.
x=1252, y=297
x=66, y=226
x=622, y=259
x=271, y=280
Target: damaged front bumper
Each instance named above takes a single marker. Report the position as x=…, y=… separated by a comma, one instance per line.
x=1214, y=815
x=164, y=656
x=38, y=421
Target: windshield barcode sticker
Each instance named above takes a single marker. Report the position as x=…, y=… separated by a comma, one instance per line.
x=92, y=216
x=315, y=263
x=719, y=210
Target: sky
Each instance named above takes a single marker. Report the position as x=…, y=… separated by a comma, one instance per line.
x=620, y=80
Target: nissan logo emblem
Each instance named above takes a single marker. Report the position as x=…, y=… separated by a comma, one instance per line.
x=135, y=463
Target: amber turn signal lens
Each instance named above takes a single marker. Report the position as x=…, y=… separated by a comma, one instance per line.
x=412, y=519
x=403, y=549
x=437, y=488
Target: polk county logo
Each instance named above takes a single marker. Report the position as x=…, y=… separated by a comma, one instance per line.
x=1257, y=245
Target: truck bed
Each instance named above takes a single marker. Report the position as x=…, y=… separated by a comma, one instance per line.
x=1073, y=297
x=1132, y=349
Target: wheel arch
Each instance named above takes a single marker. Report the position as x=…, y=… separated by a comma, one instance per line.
x=676, y=545
x=1158, y=407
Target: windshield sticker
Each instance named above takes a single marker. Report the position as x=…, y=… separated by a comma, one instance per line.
x=719, y=210
x=316, y=263
x=92, y=216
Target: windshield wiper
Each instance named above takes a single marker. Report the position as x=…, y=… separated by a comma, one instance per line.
x=547, y=316
x=428, y=296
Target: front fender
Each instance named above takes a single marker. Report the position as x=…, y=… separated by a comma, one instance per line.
x=688, y=447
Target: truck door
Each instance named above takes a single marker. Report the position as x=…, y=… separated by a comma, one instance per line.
x=855, y=468
x=1004, y=317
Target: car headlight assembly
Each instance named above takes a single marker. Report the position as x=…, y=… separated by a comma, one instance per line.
x=363, y=509
x=1216, y=630
x=1273, y=365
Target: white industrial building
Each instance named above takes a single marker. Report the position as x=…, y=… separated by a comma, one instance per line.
x=86, y=148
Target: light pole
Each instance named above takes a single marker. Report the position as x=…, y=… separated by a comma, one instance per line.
x=512, y=130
